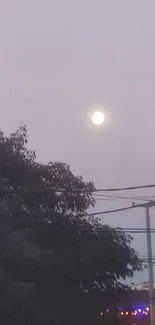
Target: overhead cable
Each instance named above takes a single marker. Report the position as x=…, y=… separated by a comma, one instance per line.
x=129, y=188
x=133, y=206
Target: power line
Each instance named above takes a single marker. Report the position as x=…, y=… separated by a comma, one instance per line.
x=137, y=231
x=121, y=209
x=138, y=198
x=117, y=199
x=133, y=230
x=63, y=190
x=124, y=188
x=112, y=200
x=127, y=228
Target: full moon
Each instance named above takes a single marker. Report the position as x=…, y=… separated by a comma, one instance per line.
x=98, y=118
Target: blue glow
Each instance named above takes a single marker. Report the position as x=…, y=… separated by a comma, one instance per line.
x=139, y=310
x=120, y=308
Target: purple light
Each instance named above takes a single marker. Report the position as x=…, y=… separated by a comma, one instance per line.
x=139, y=310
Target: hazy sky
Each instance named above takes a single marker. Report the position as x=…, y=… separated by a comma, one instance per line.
x=58, y=59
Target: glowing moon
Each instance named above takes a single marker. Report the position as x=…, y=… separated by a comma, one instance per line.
x=98, y=118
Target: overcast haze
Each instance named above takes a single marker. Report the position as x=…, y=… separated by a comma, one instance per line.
x=58, y=59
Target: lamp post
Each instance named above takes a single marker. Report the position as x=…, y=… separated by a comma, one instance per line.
x=150, y=265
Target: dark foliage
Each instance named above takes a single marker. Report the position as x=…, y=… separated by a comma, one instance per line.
x=56, y=267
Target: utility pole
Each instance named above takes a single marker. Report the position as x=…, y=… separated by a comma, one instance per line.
x=150, y=266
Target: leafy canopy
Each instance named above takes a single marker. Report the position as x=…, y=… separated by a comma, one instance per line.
x=56, y=264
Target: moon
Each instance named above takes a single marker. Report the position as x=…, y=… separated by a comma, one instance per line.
x=98, y=118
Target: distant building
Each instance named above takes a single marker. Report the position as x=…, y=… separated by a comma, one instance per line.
x=134, y=298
